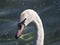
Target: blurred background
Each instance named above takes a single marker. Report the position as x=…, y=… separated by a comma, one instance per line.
x=48, y=10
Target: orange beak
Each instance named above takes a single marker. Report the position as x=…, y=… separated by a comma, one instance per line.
x=19, y=32
x=21, y=26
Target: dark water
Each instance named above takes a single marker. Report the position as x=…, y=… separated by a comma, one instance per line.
x=48, y=10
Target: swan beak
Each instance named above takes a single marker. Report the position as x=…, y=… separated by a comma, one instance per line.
x=19, y=32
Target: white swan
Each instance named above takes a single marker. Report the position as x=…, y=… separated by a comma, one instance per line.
x=27, y=17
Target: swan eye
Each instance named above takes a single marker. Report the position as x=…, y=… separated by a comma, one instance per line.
x=19, y=24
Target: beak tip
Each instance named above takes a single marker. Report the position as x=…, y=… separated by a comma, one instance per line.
x=16, y=37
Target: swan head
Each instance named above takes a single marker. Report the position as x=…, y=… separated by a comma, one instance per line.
x=25, y=19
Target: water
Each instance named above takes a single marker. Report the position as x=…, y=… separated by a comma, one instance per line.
x=49, y=11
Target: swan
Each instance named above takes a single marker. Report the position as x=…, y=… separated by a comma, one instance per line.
x=26, y=17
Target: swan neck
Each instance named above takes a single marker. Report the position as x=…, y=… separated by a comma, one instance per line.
x=40, y=32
